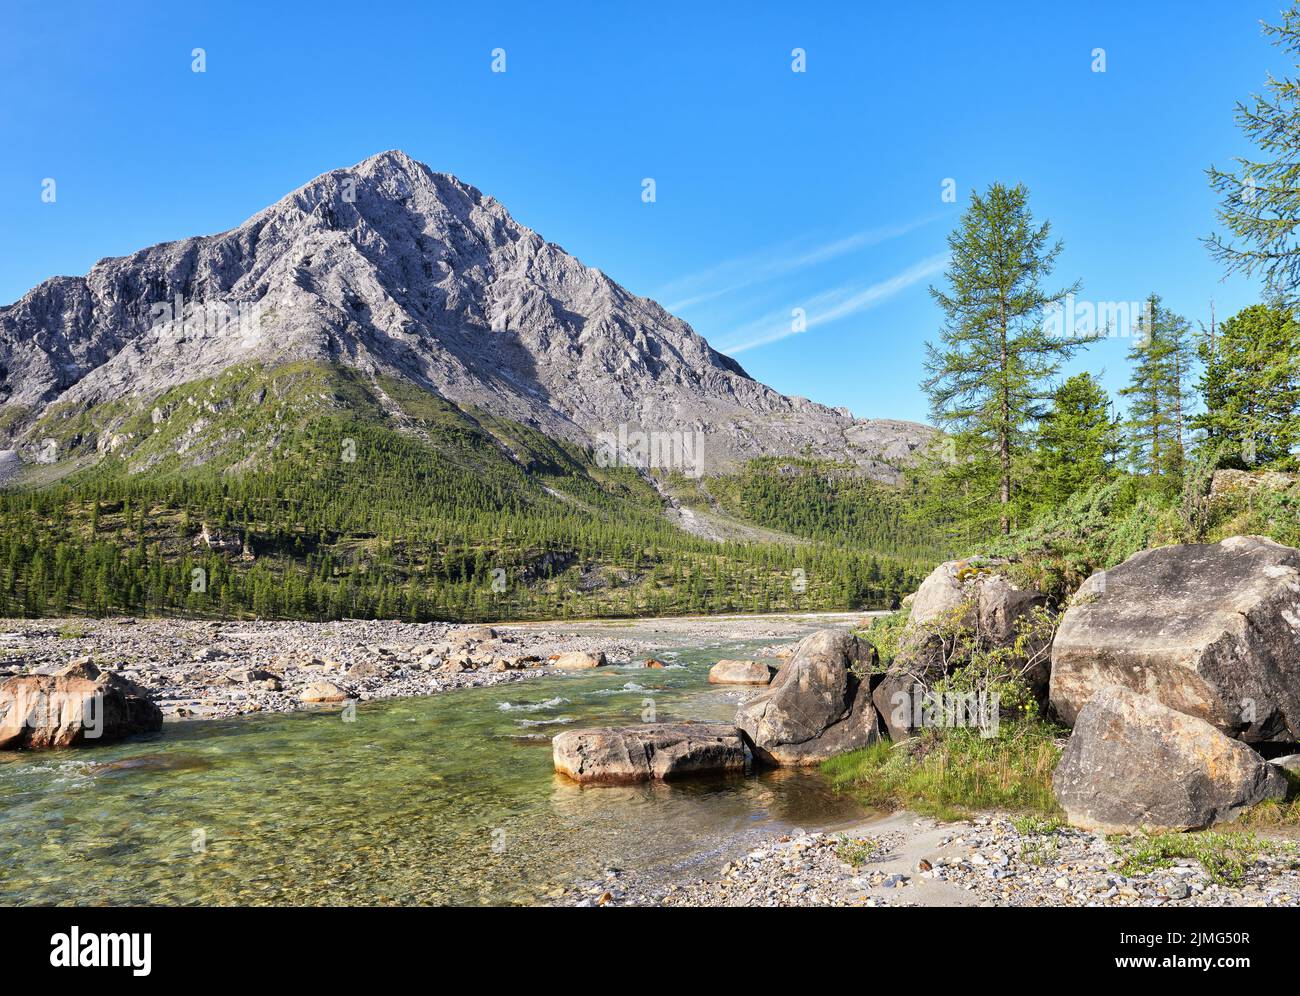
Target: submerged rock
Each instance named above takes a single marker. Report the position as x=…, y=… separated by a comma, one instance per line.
x=1211, y=630
x=84, y=706
x=644, y=753
x=816, y=706
x=728, y=672
x=1134, y=764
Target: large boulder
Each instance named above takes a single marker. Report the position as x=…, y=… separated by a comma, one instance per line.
x=728, y=672
x=962, y=606
x=816, y=706
x=897, y=696
x=81, y=707
x=1211, y=630
x=973, y=593
x=1133, y=764
x=656, y=751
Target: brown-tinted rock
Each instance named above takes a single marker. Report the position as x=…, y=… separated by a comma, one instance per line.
x=325, y=691
x=41, y=711
x=650, y=752
x=579, y=660
x=729, y=672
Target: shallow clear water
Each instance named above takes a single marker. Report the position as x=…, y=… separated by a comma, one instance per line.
x=448, y=799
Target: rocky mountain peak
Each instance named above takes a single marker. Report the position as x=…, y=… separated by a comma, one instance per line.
x=391, y=268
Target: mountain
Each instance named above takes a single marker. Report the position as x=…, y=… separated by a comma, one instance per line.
x=399, y=274
x=383, y=397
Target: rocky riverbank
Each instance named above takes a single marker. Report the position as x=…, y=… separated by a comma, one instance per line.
x=904, y=860
x=212, y=669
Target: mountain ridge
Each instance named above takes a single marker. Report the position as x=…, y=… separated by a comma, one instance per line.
x=396, y=270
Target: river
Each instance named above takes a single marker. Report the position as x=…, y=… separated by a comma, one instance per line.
x=449, y=799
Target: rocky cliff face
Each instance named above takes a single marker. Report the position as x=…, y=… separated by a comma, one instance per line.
x=393, y=269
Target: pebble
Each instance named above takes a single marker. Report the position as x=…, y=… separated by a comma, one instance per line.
x=989, y=858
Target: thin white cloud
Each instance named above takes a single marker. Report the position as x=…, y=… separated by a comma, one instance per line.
x=830, y=306
x=745, y=271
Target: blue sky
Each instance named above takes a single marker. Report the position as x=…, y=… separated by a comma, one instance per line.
x=775, y=190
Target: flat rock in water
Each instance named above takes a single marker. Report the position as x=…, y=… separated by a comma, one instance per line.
x=579, y=660
x=1211, y=630
x=655, y=751
x=1133, y=764
x=325, y=691
x=728, y=672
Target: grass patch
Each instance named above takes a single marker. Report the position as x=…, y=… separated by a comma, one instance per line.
x=1276, y=812
x=1226, y=856
x=948, y=774
x=1028, y=824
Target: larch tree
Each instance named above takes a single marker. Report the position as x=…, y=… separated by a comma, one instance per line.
x=1076, y=440
x=1158, y=408
x=989, y=375
x=1260, y=199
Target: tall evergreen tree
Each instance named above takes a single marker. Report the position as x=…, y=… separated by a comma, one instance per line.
x=1260, y=199
x=1251, y=387
x=989, y=374
x=1157, y=418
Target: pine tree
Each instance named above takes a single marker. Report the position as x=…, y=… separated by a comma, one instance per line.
x=1251, y=388
x=1260, y=199
x=989, y=376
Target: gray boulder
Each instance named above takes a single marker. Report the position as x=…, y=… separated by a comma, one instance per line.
x=960, y=606
x=656, y=751
x=1133, y=764
x=895, y=697
x=989, y=600
x=816, y=706
x=1211, y=630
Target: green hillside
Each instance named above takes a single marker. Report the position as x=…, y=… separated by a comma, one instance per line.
x=345, y=496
